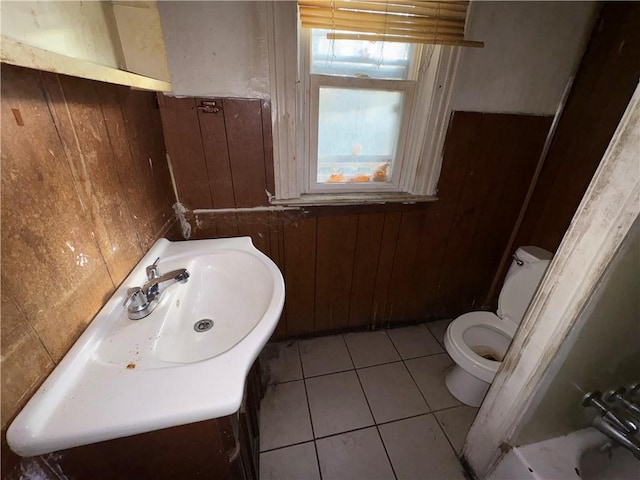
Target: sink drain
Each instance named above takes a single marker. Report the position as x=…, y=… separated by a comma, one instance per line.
x=203, y=325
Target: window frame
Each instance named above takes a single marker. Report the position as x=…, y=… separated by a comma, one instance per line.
x=290, y=83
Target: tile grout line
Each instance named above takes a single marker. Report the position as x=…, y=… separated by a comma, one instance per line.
x=362, y=428
x=375, y=423
x=441, y=343
x=295, y=444
x=306, y=395
x=409, y=372
x=356, y=368
x=418, y=387
x=455, y=452
x=431, y=412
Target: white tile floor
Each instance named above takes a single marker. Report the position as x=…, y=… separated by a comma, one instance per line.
x=361, y=406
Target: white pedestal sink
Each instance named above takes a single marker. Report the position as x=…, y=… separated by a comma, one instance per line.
x=123, y=377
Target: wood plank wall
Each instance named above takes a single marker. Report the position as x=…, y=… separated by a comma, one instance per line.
x=85, y=192
x=605, y=81
x=603, y=87
x=367, y=266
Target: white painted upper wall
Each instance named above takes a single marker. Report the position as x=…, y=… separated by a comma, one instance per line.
x=216, y=49
x=220, y=49
x=530, y=51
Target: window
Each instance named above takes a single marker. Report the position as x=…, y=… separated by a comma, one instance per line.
x=358, y=118
x=360, y=100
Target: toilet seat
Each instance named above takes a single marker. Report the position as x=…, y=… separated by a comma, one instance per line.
x=463, y=354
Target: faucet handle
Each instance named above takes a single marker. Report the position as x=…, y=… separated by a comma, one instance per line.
x=626, y=399
x=152, y=270
x=136, y=299
x=595, y=399
x=592, y=399
x=615, y=394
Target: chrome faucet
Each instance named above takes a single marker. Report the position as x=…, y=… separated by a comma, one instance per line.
x=625, y=398
x=621, y=427
x=141, y=301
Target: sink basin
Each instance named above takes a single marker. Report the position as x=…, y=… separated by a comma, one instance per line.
x=239, y=290
x=185, y=362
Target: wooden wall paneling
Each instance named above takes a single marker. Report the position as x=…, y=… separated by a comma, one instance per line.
x=365, y=267
x=336, y=243
x=497, y=217
x=186, y=152
x=276, y=245
x=455, y=292
x=401, y=288
x=256, y=226
x=489, y=238
x=144, y=123
x=430, y=259
x=243, y=120
x=276, y=237
x=25, y=361
x=608, y=80
x=216, y=152
x=128, y=170
x=464, y=128
x=267, y=139
x=527, y=136
x=81, y=126
x=227, y=224
x=604, y=84
x=300, y=273
x=433, y=260
x=520, y=146
x=427, y=266
x=71, y=192
x=381, y=308
x=46, y=238
x=203, y=225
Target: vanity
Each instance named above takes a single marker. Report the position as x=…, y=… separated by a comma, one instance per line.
x=174, y=393
x=225, y=448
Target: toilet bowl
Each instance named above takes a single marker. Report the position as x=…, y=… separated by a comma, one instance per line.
x=478, y=341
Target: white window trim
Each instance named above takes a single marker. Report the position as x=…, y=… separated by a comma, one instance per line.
x=289, y=97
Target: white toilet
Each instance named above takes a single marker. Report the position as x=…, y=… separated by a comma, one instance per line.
x=477, y=341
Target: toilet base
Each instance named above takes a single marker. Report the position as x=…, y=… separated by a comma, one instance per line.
x=465, y=387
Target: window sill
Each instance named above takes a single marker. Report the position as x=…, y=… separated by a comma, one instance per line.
x=327, y=199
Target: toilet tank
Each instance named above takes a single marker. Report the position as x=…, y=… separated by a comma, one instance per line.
x=528, y=254
x=522, y=281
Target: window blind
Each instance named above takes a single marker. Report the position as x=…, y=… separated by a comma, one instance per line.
x=408, y=21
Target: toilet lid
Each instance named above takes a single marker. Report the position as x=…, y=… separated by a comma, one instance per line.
x=518, y=290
